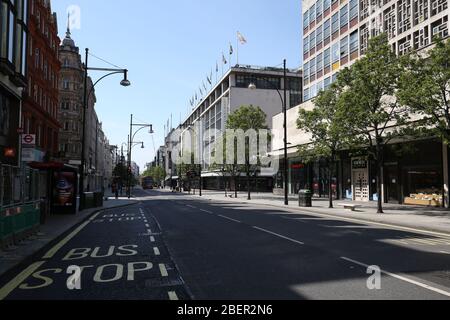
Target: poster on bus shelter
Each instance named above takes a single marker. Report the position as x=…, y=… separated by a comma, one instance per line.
x=64, y=190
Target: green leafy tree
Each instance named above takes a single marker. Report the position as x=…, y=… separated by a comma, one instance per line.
x=374, y=115
x=325, y=123
x=247, y=118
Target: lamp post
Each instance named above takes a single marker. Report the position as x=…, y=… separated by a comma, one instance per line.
x=130, y=146
x=125, y=83
x=283, y=98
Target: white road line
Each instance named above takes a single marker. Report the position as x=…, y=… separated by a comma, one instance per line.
x=396, y=276
x=141, y=211
x=173, y=296
x=444, y=252
x=192, y=207
x=163, y=270
x=156, y=251
x=152, y=239
x=147, y=225
x=278, y=235
x=19, y=279
x=423, y=241
x=149, y=231
x=225, y=217
x=206, y=211
x=51, y=253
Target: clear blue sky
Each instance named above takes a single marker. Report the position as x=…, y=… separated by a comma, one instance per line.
x=170, y=46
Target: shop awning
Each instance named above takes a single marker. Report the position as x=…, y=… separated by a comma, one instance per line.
x=46, y=165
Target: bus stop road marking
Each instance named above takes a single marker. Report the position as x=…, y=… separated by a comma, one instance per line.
x=19, y=279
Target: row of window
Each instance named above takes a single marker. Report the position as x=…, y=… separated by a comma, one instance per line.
x=46, y=137
x=13, y=33
x=261, y=82
x=323, y=32
x=42, y=26
x=313, y=91
x=41, y=64
x=41, y=98
x=338, y=50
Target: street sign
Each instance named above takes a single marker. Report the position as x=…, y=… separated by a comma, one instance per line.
x=29, y=139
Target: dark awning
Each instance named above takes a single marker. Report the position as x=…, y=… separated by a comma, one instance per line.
x=46, y=165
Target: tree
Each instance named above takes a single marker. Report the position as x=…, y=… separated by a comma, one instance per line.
x=374, y=115
x=425, y=89
x=248, y=118
x=325, y=123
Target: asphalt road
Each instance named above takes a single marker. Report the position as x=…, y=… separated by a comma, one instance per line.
x=173, y=246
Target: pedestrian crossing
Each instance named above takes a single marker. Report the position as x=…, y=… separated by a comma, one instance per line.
x=421, y=241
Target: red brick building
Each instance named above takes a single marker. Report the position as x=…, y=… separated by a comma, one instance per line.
x=40, y=106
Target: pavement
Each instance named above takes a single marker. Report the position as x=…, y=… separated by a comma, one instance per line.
x=173, y=246
x=423, y=218
x=55, y=226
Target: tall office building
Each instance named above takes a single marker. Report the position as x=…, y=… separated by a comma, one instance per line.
x=336, y=32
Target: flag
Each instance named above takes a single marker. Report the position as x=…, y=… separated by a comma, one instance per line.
x=201, y=91
x=209, y=79
x=231, y=50
x=224, y=60
x=204, y=86
x=217, y=67
x=241, y=38
x=196, y=97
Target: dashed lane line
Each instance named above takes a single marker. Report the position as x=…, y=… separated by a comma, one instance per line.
x=192, y=207
x=402, y=278
x=278, y=235
x=156, y=251
x=206, y=211
x=51, y=253
x=173, y=296
x=20, y=278
x=228, y=218
x=163, y=270
x=152, y=239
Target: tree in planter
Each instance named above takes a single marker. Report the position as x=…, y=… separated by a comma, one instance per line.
x=425, y=89
x=374, y=115
x=248, y=118
x=326, y=125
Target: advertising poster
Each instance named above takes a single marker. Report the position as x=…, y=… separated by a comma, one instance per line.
x=64, y=189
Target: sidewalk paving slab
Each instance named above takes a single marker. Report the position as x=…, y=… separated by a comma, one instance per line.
x=55, y=226
x=427, y=219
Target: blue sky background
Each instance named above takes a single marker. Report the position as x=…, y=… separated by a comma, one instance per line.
x=170, y=46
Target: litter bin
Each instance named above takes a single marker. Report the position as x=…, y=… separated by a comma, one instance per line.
x=305, y=198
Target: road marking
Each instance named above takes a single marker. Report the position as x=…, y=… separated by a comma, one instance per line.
x=192, y=207
x=152, y=239
x=225, y=217
x=444, y=252
x=163, y=270
x=149, y=231
x=396, y=276
x=141, y=211
x=173, y=296
x=278, y=235
x=19, y=279
x=147, y=225
x=51, y=253
x=156, y=251
x=206, y=211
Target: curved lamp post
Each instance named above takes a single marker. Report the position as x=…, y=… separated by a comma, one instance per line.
x=131, y=144
x=252, y=86
x=125, y=83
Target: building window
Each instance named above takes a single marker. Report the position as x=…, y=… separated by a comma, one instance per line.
x=312, y=13
x=327, y=58
x=326, y=4
x=354, y=41
x=244, y=80
x=306, y=45
x=335, y=53
x=344, y=16
x=326, y=30
x=306, y=72
x=306, y=94
x=344, y=47
x=319, y=61
x=305, y=19
x=335, y=23
x=312, y=67
x=353, y=9
x=319, y=36
x=319, y=9
x=66, y=84
x=312, y=40
x=327, y=83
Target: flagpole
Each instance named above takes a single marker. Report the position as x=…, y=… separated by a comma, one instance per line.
x=237, y=49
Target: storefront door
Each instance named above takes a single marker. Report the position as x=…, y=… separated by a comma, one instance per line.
x=392, y=184
x=360, y=185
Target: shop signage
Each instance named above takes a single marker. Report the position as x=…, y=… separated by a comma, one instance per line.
x=29, y=140
x=32, y=155
x=359, y=164
x=297, y=166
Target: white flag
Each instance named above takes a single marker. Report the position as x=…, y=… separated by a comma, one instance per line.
x=241, y=38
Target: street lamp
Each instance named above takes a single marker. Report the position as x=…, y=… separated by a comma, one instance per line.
x=130, y=145
x=253, y=86
x=125, y=83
